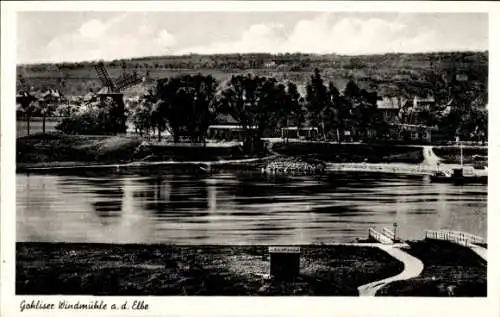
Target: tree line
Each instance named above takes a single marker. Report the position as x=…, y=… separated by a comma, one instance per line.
x=186, y=105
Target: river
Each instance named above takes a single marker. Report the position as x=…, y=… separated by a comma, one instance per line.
x=239, y=208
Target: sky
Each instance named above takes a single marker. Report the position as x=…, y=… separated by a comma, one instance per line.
x=47, y=37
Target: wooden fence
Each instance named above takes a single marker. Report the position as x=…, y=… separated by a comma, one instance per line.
x=462, y=238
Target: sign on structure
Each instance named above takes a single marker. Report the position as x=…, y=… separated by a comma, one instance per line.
x=285, y=263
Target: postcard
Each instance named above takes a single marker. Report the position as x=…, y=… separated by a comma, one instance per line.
x=249, y=158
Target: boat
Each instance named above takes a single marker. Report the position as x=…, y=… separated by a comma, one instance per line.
x=457, y=175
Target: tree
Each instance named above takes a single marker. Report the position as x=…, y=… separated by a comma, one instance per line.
x=158, y=119
x=318, y=100
x=254, y=101
x=291, y=107
x=365, y=119
x=142, y=114
x=92, y=118
x=337, y=114
x=200, y=98
x=236, y=98
x=28, y=106
x=186, y=103
x=47, y=104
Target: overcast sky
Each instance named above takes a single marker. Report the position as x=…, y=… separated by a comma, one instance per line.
x=79, y=36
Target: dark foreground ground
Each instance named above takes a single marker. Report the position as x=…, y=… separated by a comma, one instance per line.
x=447, y=266
x=99, y=269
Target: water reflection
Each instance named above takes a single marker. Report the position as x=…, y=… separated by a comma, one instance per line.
x=152, y=193
x=189, y=196
x=173, y=197
x=108, y=201
x=231, y=208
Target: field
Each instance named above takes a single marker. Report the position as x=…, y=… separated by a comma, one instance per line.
x=36, y=126
x=388, y=74
x=100, y=269
x=445, y=265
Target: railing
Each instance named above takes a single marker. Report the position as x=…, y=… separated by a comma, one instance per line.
x=462, y=238
x=388, y=233
x=372, y=233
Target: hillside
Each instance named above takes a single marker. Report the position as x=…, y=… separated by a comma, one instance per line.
x=442, y=74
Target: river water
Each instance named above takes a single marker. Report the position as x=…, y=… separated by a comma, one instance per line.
x=239, y=208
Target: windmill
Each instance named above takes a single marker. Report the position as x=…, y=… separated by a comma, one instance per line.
x=114, y=90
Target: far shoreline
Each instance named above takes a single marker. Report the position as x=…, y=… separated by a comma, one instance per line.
x=56, y=152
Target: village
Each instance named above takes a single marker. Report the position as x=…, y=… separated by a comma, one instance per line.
x=339, y=117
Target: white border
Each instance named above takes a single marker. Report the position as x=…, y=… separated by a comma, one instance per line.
x=249, y=306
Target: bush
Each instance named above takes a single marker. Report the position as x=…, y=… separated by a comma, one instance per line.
x=94, y=119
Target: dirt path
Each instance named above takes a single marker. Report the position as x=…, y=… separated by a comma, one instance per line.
x=412, y=268
x=430, y=158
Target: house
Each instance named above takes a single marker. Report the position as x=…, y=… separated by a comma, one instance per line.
x=461, y=77
x=423, y=104
x=410, y=132
x=270, y=64
x=308, y=133
x=391, y=107
x=228, y=132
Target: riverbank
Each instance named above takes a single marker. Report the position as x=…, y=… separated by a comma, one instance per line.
x=451, y=154
x=55, y=151
x=352, y=152
x=448, y=267
x=105, y=269
x=61, y=151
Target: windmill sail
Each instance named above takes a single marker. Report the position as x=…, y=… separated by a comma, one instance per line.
x=103, y=75
x=127, y=81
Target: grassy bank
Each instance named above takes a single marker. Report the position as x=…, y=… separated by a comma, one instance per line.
x=354, y=153
x=445, y=265
x=451, y=154
x=185, y=152
x=59, y=149
x=99, y=269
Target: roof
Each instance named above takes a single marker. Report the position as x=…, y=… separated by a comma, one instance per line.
x=427, y=99
x=222, y=118
x=405, y=125
x=230, y=127
x=303, y=128
x=389, y=103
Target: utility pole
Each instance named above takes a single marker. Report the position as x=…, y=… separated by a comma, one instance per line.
x=395, y=226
